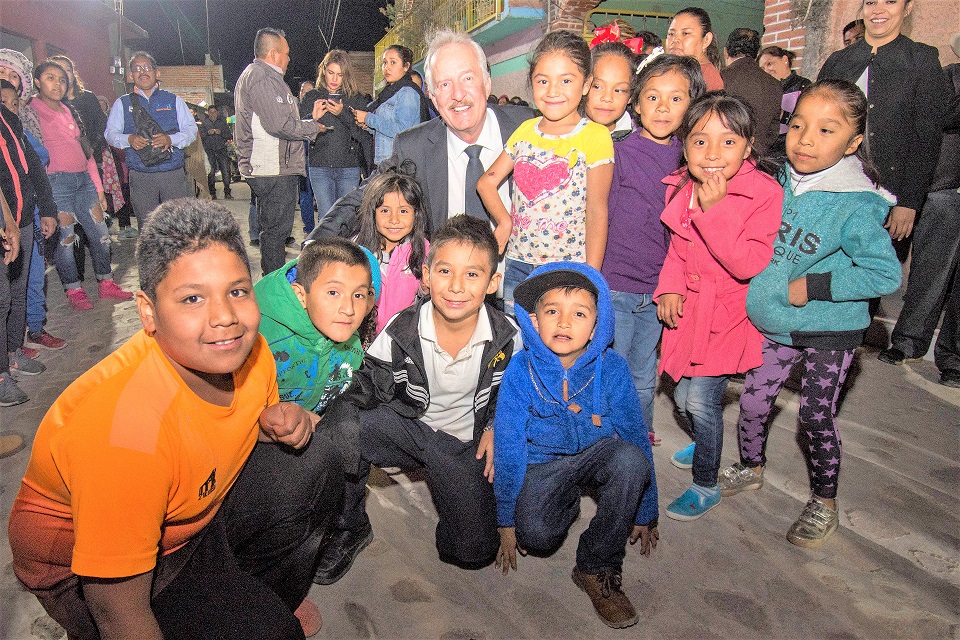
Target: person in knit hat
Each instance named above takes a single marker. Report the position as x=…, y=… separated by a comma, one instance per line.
x=17, y=69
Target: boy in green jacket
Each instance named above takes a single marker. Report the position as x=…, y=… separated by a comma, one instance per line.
x=312, y=308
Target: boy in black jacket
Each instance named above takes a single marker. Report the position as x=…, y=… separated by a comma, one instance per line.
x=426, y=396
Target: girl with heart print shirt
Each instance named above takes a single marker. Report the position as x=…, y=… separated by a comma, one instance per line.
x=562, y=166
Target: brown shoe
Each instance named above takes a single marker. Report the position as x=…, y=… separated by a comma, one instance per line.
x=606, y=592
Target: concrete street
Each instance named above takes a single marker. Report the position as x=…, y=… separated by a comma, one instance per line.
x=891, y=571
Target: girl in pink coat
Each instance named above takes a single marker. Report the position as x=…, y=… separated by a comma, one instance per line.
x=723, y=214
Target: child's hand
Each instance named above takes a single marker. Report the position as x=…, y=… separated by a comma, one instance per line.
x=900, y=222
x=288, y=423
x=502, y=234
x=10, y=241
x=48, y=226
x=797, y=292
x=712, y=191
x=507, y=553
x=485, y=448
x=648, y=537
x=670, y=309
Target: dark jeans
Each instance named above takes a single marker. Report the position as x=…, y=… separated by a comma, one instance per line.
x=18, y=275
x=467, y=532
x=148, y=190
x=700, y=400
x=252, y=566
x=549, y=502
x=276, y=203
x=219, y=159
x=933, y=271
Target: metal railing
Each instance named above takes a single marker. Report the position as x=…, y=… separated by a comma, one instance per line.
x=425, y=16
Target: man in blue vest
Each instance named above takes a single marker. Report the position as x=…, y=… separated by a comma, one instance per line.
x=150, y=186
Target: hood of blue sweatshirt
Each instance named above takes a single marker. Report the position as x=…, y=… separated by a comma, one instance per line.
x=550, y=374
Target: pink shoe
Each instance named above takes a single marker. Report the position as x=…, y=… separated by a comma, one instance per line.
x=110, y=289
x=79, y=300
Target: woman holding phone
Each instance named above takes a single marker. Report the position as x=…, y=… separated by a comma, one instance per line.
x=336, y=155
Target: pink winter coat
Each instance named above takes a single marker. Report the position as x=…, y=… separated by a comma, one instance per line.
x=710, y=264
x=399, y=289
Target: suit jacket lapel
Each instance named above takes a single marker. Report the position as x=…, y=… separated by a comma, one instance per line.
x=435, y=172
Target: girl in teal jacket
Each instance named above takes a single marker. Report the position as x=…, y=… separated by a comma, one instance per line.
x=831, y=256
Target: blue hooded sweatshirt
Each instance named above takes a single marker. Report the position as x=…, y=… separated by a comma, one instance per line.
x=534, y=423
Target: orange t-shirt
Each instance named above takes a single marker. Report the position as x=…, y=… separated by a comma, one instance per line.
x=129, y=463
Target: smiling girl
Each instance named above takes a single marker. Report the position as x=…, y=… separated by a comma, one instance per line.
x=723, y=214
x=393, y=225
x=562, y=166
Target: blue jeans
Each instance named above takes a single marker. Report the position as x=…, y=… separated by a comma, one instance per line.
x=36, y=298
x=332, y=183
x=75, y=193
x=636, y=334
x=700, y=399
x=549, y=502
x=516, y=272
x=306, y=205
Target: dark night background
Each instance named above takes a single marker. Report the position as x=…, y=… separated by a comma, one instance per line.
x=234, y=23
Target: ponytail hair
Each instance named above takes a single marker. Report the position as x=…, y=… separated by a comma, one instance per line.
x=854, y=106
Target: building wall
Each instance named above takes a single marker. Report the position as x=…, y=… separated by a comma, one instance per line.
x=193, y=83
x=82, y=32
x=811, y=28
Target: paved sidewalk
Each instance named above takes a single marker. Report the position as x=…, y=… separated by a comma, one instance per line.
x=891, y=571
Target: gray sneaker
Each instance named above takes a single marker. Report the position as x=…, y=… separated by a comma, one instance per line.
x=815, y=524
x=10, y=393
x=737, y=478
x=21, y=365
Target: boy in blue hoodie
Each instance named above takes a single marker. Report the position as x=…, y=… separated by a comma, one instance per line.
x=312, y=308
x=569, y=417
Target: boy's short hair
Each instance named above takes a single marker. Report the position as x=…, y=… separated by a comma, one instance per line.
x=318, y=254
x=468, y=230
x=529, y=292
x=183, y=226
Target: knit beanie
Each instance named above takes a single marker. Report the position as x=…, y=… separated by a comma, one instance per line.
x=24, y=68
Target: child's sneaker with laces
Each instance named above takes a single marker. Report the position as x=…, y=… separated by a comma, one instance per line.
x=683, y=459
x=694, y=502
x=33, y=354
x=42, y=339
x=815, y=524
x=21, y=365
x=110, y=289
x=79, y=300
x=737, y=478
x=10, y=393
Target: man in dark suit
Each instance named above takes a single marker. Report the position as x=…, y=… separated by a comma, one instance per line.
x=744, y=78
x=458, y=83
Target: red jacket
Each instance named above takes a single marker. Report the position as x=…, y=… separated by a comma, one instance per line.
x=710, y=264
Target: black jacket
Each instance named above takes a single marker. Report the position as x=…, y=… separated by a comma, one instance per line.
x=907, y=96
x=213, y=142
x=23, y=185
x=745, y=79
x=947, y=175
x=426, y=146
x=402, y=383
x=341, y=145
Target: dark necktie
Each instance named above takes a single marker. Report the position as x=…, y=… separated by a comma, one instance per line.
x=472, y=205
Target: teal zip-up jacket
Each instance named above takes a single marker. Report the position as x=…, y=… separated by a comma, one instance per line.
x=311, y=369
x=833, y=234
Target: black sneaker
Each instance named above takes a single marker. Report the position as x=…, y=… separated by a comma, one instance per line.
x=340, y=551
x=895, y=356
x=950, y=378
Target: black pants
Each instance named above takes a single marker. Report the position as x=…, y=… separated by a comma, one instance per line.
x=219, y=159
x=467, y=532
x=276, y=202
x=251, y=567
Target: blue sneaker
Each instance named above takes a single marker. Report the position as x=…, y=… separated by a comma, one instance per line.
x=694, y=502
x=683, y=459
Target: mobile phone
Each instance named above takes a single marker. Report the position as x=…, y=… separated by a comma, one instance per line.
x=334, y=97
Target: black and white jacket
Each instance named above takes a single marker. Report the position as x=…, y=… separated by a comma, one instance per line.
x=402, y=384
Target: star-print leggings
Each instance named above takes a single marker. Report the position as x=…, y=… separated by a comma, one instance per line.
x=823, y=374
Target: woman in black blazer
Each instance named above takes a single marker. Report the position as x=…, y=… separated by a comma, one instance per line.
x=907, y=97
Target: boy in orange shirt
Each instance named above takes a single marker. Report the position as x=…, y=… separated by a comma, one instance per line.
x=137, y=517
